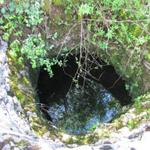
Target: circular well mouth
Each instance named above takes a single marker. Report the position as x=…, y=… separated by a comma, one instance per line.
x=78, y=108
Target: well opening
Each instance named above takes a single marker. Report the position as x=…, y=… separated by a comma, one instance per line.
x=78, y=102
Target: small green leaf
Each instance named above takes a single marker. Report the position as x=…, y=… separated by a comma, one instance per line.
x=85, y=9
x=6, y=36
x=103, y=45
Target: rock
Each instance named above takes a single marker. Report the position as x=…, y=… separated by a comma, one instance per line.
x=6, y=147
x=3, y=45
x=145, y=139
x=84, y=147
x=124, y=131
x=106, y=147
x=15, y=129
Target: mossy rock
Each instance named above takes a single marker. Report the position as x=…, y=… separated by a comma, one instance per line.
x=21, y=88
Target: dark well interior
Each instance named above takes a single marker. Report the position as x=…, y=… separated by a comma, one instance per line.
x=50, y=89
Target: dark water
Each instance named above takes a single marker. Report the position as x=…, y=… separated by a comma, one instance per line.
x=84, y=108
x=80, y=109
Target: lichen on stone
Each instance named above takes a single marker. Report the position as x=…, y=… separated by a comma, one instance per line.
x=22, y=88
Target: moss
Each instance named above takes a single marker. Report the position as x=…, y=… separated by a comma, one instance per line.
x=142, y=103
x=92, y=138
x=47, y=6
x=87, y=139
x=132, y=123
x=23, y=90
x=22, y=143
x=118, y=124
x=58, y=2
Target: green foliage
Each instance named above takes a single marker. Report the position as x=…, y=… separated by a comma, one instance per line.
x=142, y=110
x=122, y=37
x=85, y=9
x=34, y=13
x=117, y=30
x=132, y=124
x=34, y=49
x=147, y=56
x=21, y=15
x=15, y=48
x=140, y=99
x=29, y=11
x=58, y=2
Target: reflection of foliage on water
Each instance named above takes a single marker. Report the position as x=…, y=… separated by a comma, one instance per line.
x=84, y=108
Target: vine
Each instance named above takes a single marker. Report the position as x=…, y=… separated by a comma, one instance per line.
x=116, y=31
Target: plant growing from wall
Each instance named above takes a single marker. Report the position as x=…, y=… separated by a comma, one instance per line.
x=17, y=17
x=117, y=30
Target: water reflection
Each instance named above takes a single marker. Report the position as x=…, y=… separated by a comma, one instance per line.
x=81, y=111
